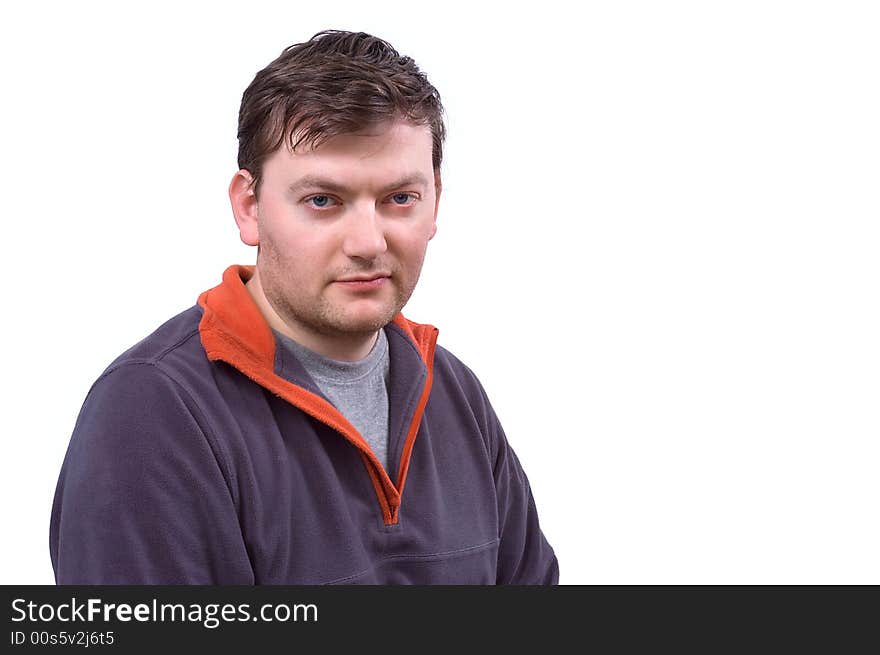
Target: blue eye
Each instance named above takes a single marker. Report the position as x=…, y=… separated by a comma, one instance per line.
x=401, y=198
x=320, y=201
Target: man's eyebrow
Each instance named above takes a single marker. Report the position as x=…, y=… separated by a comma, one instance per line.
x=326, y=184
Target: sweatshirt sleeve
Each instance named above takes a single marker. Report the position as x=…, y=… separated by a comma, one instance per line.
x=142, y=497
x=525, y=557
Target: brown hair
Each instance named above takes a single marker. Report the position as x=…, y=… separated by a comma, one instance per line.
x=335, y=83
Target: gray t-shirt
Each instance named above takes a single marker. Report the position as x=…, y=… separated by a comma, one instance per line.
x=357, y=389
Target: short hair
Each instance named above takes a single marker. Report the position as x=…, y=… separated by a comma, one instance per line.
x=335, y=83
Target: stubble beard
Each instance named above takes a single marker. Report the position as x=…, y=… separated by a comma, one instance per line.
x=319, y=314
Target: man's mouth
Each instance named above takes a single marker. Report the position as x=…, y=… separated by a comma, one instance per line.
x=369, y=277
x=368, y=282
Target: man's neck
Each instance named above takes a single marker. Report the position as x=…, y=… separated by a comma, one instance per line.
x=344, y=348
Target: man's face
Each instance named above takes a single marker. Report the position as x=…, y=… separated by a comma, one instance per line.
x=343, y=228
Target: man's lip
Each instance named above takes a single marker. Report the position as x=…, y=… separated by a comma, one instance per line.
x=364, y=278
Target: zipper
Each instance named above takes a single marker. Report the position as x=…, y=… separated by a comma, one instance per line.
x=387, y=493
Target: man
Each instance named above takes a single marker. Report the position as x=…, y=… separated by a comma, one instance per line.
x=293, y=427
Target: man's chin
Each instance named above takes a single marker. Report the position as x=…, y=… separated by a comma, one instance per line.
x=363, y=323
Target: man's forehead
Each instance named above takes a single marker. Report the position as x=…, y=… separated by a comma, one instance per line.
x=399, y=132
x=382, y=157
x=319, y=182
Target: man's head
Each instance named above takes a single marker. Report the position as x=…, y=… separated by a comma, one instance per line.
x=340, y=144
x=335, y=83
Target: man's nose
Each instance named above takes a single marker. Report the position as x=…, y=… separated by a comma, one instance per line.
x=364, y=234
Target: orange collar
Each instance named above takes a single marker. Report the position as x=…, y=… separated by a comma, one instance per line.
x=233, y=328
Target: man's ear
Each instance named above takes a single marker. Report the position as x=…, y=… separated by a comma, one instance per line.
x=244, y=206
x=438, y=188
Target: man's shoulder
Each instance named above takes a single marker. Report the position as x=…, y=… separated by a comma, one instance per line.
x=174, y=340
x=164, y=369
x=449, y=369
x=448, y=360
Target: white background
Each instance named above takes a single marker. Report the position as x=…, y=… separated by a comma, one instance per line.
x=658, y=248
